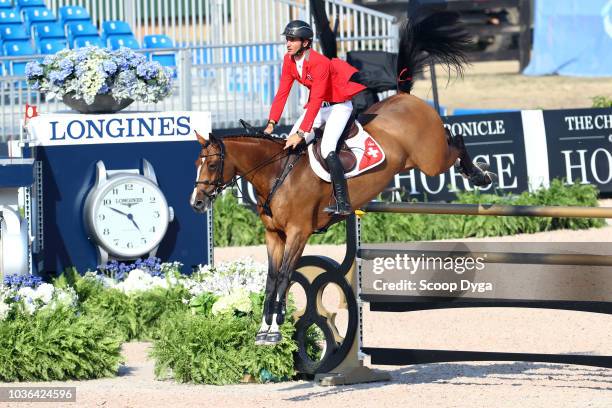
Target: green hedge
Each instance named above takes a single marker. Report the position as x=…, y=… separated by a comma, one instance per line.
x=236, y=225
x=220, y=350
x=56, y=344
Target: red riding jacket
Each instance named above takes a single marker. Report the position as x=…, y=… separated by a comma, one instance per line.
x=328, y=81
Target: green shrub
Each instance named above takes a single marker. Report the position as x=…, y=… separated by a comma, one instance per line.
x=235, y=224
x=602, y=102
x=220, y=349
x=56, y=344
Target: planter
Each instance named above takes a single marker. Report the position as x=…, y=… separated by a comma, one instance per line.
x=101, y=104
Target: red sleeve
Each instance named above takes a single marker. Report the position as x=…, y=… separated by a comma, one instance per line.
x=320, y=83
x=286, y=81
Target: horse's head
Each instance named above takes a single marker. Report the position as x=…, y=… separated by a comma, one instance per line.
x=212, y=174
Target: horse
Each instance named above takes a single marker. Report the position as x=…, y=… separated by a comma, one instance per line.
x=410, y=132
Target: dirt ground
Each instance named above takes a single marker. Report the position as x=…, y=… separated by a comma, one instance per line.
x=465, y=384
x=497, y=84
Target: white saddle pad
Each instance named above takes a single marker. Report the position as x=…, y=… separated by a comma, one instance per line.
x=368, y=152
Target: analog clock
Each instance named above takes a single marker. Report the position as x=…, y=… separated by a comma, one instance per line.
x=126, y=214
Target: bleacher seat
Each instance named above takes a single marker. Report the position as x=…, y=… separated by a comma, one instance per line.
x=6, y=3
x=115, y=27
x=36, y=16
x=118, y=41
x=9, y=17
x=79, y=29
x=45, y=31
x=165, y=58
x=22, y=5
x=69, y=14
x=52, y=45
x=18, y=49
x=14, y=33
x=88, y=42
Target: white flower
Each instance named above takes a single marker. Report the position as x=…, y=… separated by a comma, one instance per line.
x=4, y=309
x=237, y=300
x=140, y=281
x=44, y=293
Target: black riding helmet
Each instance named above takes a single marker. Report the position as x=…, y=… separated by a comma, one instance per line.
x=298, y=29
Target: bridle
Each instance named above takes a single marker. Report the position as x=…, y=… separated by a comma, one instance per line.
x=217, y=182
x=221, y=185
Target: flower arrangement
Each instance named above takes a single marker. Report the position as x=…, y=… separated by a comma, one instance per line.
x=28, y=294
x=90, y=71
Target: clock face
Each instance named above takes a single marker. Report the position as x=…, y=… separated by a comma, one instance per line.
x=129, y=216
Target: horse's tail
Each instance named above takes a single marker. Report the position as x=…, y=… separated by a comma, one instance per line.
x=437, y=38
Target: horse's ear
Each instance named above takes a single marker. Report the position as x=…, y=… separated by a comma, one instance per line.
x=201, y=140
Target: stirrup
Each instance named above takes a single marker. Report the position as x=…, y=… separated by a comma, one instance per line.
x=337, y=210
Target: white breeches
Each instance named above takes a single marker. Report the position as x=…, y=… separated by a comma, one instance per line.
x=335, y=118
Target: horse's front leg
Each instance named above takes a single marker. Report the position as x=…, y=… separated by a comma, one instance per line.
x=275, y=244
x=295, y=243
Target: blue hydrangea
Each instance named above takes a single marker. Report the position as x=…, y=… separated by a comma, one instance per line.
x=148, y=70
x=33, y=69
x=110, y=67
x=89, y=71
x=104, y=89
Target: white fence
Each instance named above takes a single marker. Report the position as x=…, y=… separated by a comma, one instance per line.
x=229, y=52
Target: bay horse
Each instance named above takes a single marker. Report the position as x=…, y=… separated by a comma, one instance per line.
x=410, y=132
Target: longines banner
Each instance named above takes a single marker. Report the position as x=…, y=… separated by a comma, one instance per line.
x=526, y=149
x=77, y=129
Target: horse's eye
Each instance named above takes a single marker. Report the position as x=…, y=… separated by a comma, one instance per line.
x=212, y=166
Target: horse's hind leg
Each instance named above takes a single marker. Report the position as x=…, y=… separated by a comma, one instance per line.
x=296, y=241
x=478, y=173
x=275, y=244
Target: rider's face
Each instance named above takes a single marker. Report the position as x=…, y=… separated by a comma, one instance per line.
x=293, y=45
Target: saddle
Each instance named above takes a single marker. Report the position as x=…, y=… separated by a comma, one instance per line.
x=346, y=156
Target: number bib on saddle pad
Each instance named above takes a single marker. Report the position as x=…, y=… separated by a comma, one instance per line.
x=366, y=151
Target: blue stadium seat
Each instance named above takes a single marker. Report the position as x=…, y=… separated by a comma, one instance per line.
x=37, y=15
x=79, y=29
x=157, y=41
x=52, y=45
x=18, y=49
x=115, y=27
x=14, y=33
x=165, y=58
x=88, y=42
x=44, y=31
x=9, y=17
x=118, y=41
x=6, y=3
x=69, y=14
x=22, y=5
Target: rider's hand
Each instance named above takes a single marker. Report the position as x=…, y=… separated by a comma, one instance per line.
x=293, y=141
x=269, y=129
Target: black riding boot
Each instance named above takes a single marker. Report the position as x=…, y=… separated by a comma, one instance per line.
x=340, y=191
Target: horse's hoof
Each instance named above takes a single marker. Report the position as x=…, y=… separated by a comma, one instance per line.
x=484, y=166
x=260, y=338
x=273, y=338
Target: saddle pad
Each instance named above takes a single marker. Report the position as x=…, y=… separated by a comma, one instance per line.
x=368, y=152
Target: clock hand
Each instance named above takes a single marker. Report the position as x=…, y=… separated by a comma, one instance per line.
x=131, y=218
x=120, y=212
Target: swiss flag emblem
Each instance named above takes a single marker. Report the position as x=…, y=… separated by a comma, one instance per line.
x=371, y=155
x=30, y=112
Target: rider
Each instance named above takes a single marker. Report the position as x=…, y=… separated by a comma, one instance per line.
x=329, y=101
